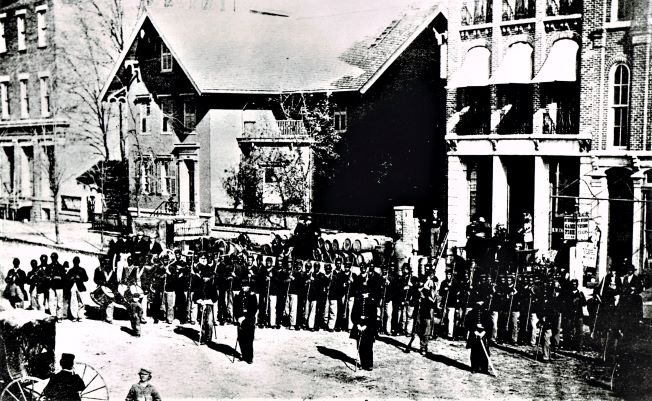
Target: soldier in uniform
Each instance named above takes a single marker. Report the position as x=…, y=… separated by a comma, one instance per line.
x=479, y=325
x=15, y=290
x=76, y=278
x=574, y=303
x=245, y=307
x=447, y=293
x=56, y=274
x=364, y=326
x=294, y=291
x=348, y=298
x=331, y=295
x=401, y=306
x=105, y=276
x=550, y=321
x=37, y=286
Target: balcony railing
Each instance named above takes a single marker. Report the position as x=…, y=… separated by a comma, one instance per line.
x=268, y=219
x=563, y=7
x=286, y=128
x=474, y=124
x=564, y=124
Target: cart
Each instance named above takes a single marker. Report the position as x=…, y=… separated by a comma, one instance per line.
x=27, y=358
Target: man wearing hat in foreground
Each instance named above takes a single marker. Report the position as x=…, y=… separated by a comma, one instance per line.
x=364, y=317
x=135, y=313
x=245, y=307
x=479, y=324
x=143, y=390
x=66, y=384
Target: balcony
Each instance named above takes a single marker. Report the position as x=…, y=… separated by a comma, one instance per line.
x=279, y=131
x=519, y=10
x=564, y=123
x=563, y=7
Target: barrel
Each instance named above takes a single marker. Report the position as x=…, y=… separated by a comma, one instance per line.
x=365, y=244
x=336, y=244
x=347, y=244
x=365, y=257
x=328, y=245
x=316, y=253
x=320, y=242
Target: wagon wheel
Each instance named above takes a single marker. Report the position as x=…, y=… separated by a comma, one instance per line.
x=26, y=388
x=95, y=387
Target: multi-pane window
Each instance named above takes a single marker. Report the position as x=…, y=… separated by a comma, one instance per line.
x=167, y=177
x=20, y=30
x=41, y=27
x=45, y=96
x=189, y=114
x=3, y=40
x=167, y=112
x=145, y=113
x=621, y=10
x=166, y=58
x=4, y=100
x=339, y=121
x=517, y=9
x=24, y=99
x=146, y=175
x=620, y=106
x=476, y=12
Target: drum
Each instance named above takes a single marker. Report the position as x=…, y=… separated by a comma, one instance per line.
x=120, y=293
x=102, y=296
x=130, y=291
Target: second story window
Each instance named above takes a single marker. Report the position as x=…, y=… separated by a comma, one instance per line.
x=563, y=7
x=189, y=114
x=166, y=58
x=621, y=10
x=145, y=112
x=518, y=9
x=20, y=31
x=3, y=40
x=45, y=96
x=167, y=112
x=24, y=98
x=339, y=121
x=476, y=12
x=41, y=26
x=619, y=110
x=4, y=100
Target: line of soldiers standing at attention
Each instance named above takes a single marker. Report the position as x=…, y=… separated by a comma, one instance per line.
x=541, y=305
x=49, y=286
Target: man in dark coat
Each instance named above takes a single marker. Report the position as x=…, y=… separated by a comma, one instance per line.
x=76, y=278
x=364, y=317
x=479, y=325
x=15, y=280
x=245, y=307
x=56, y=274
x=66, y=384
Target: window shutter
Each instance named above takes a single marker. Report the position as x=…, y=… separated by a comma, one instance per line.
x=172, y=173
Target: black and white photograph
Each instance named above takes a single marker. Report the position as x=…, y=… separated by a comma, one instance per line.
x=325, y=199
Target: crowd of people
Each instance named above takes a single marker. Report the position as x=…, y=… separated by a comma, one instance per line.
x=489, y=294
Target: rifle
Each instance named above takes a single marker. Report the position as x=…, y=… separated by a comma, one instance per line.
x=597, y=310
x=307, y=306
x=448, y=291
x=269, y=284
x=328, y=291
x=511, y=301
x=190, y=274
x=287, y=295
x=346, y=310
x=415, y=325
x=382, y=305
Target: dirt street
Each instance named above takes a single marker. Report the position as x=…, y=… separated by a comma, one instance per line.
x=290, y=364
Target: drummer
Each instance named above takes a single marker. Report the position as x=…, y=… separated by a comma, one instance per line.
x=137, y=275
x=105, y=276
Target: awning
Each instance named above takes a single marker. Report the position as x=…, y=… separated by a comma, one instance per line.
x=516, y=66
x=474, y=70
x=561, y=64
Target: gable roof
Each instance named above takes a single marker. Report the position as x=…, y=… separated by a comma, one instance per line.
x=224, y=52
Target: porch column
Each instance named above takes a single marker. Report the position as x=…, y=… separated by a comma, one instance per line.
x=541, y=215
x=638, y=179
x=184, y=187
x=458, y=201
x=600, y=214
x=499, y=193
x=40, y=172
x=196, y=186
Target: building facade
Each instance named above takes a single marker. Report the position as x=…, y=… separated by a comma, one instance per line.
x=196, y=106
x=529, y=121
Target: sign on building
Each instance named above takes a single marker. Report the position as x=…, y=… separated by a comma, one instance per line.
x=570, y=227
x=583, y=227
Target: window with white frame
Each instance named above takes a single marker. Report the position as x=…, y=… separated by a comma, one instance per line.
x=189, y=114
x=20, y=29
x=4, y=100
x=145, y=113
x=167, y=176
x=24, y=98
x=166, y=58
x=621, y=10
x=45, y=96
x=3, y=40
x=339, y=121
x=41, y=26
x=271, y=194
x=146, y=175
x=167, y=114
x=619, y=106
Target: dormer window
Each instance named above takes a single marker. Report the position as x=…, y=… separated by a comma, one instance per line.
x=166, y=58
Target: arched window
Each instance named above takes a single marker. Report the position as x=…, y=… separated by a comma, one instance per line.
x=619, y=106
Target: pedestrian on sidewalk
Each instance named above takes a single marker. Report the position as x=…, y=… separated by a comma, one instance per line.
x=15, y=290
x=143, y=390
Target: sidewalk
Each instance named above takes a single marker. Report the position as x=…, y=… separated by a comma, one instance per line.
x=75, y=237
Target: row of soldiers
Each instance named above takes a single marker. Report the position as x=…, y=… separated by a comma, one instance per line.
x=49, y=285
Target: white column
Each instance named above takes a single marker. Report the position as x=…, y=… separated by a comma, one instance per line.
x=458, y=202
x=600, y=214
x=499, y=193
x=184, y=187
x=196, y=185
x=637, y=221
x=541, y=214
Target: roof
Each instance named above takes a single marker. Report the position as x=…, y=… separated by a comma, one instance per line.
x=338, y=49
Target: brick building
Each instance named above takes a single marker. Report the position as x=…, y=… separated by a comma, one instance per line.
x=198, y=102
x=43, y=144
x=531, y=120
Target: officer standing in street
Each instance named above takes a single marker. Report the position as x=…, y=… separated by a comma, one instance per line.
x=245, y=307
x=364, y=317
